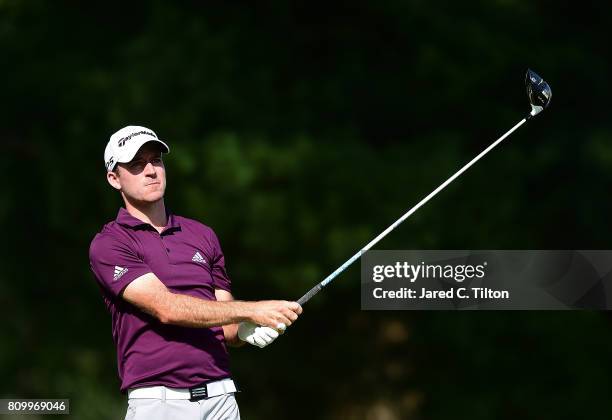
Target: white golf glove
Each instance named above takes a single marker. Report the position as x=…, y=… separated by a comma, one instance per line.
x=257, y=335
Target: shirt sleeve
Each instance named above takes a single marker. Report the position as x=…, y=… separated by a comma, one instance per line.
x=219, y=274
x=115, y=264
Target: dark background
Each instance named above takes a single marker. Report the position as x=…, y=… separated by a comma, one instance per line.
x=299, y=131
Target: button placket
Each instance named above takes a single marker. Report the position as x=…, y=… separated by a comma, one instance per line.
x=163, y=244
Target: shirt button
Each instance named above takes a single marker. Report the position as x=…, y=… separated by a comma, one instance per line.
x=168, y=249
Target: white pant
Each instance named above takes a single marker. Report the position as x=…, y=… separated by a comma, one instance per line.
x=223, y=407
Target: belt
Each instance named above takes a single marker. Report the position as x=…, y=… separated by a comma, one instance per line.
x=199, y=392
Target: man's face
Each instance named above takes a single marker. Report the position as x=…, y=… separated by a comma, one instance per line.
x=143, y=179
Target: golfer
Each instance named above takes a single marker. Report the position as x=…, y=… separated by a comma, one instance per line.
x=164, y=282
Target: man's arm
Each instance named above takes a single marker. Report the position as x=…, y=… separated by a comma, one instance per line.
x=150, y=295
x=230, y=330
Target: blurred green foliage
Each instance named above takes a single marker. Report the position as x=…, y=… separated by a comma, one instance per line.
x=298, y=132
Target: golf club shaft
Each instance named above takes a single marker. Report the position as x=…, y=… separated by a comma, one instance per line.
x=374, y=241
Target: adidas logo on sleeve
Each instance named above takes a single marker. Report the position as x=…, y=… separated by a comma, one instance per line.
x=197, y=257
x=119, y=271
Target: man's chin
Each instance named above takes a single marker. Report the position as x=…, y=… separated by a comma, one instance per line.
x=153, y=196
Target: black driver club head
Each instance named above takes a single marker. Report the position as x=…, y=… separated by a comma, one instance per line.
x=538, y=91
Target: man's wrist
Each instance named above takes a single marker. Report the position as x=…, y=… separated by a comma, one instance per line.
x=242, y=311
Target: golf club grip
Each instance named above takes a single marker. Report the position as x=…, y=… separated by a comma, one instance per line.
x=309, y=294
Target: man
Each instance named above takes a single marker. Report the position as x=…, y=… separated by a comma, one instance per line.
x=163, y=279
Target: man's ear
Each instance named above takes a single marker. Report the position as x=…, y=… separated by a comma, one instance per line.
x=113, y=179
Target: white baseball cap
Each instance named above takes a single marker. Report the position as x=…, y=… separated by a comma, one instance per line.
x=125, y=143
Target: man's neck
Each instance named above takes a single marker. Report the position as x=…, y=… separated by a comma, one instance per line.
x=151, y=213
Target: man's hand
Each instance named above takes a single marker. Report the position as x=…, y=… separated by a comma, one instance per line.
x=256, y=335
x=273, y=313
x=269, y=318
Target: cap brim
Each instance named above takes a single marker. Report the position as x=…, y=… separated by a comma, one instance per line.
x=135, y=147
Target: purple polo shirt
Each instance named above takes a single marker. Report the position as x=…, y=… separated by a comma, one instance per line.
x=187, y=258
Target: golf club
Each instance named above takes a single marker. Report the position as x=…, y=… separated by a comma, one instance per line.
x=539, y=94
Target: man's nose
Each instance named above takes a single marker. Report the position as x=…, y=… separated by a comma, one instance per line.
x=149, y=169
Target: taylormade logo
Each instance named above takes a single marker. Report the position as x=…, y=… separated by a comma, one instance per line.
x=434, y=271
x=125, y=139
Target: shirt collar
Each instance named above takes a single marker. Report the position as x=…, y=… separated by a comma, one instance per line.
x=126, y=219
